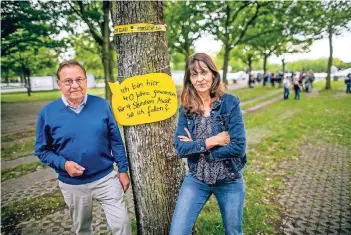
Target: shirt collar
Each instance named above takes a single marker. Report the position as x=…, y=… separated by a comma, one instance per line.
x=84, y=101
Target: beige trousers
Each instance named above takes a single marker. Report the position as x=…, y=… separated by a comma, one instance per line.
x=108, y=192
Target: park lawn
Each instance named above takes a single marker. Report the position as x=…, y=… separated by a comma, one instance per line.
x=16, y=136
x=42, y=95
x=256, y=102
x=18, y=171
x=17, y=150
x=322, y=117
x=245, y=94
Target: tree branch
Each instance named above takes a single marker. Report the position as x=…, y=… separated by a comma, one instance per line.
x=98, y=38
x=247, y=25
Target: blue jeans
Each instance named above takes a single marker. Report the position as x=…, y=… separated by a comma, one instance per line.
x=286, y=93
x=297, y=94
x=194, y=194
x=348, y=88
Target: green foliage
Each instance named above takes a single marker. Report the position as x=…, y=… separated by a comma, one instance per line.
x=318, y=65
x=178, y=61
x=25, y=27
x=184, y=20
x=88, y=52
x=27, y=44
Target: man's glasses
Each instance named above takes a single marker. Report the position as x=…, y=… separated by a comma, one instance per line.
x=69, y=82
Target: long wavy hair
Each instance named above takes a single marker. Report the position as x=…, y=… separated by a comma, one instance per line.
x=190, y=99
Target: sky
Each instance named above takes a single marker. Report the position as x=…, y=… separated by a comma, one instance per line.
x=319, y=49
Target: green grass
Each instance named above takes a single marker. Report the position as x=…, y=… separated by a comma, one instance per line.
x=25, y=209
x=18, y=171
x=322, y=118
x=42, y=95
x=19, y=149
x=11, y=138
x=256, y=102
x=245, y=94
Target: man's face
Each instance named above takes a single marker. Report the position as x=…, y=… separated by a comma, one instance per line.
x=72, y=82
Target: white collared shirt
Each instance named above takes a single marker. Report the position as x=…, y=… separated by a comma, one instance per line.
x=80, y=106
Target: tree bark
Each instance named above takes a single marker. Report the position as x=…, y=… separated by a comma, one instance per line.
x=265, y=57
x=225, y=63
x=106, y=50
x=283, y=64
x=330, y=61
x=249, y=58
x=156, y=171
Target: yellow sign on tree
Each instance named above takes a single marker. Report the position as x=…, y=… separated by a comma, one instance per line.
x=144, y=99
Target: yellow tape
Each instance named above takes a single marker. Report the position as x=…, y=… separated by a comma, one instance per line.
x=138, y=28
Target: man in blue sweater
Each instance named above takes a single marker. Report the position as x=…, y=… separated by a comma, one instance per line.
x=77, y=136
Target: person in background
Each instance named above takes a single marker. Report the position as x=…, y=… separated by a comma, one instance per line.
x=286, y=85
x=348, y=83
x=78, y=137
x=308, y=85
x=272, y=79
x=296, y=87
x=211, y=134
x=251, y=81
x=279, y=79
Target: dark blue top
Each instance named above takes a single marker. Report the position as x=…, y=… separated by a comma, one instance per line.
x=90, y=138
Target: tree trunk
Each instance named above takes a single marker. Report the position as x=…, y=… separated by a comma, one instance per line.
x=106, y=54
x=29, y=88
x=156, y=171
x=283, y=64
x=249, y=58
x=330, y=61
x=225, y=63
x=265, y=57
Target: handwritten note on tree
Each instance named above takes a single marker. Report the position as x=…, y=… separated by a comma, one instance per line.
x=144, y=99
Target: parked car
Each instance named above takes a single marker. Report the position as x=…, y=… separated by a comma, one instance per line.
x=234, y=77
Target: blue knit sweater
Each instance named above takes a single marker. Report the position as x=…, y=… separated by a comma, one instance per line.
x=90, y=138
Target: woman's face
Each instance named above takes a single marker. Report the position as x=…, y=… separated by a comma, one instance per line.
x=201, y=78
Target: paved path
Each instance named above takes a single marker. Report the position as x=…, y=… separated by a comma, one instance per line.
x=259, y=106
x=316, y=197
x=18, y=162
x=19, y=117
x=261, y=97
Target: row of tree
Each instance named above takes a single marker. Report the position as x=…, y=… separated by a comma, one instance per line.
x=33, y=34
x=254, y=30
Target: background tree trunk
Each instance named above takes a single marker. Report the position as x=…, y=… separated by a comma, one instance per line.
x=249, y=58
x=283, y=63
x=225, y=64
x=155, y=169
x=330, y=61
x=106, y=50
x=265, y=57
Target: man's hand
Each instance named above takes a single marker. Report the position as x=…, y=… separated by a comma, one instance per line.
x=124, y=179
x=74, y=169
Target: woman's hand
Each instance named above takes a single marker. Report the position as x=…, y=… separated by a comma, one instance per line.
x=185, y=138
x=223, y=138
